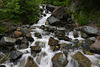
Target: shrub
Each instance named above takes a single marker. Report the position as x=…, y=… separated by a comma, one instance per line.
x=21, y=10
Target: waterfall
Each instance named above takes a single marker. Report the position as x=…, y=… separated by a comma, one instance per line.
x=45, y=60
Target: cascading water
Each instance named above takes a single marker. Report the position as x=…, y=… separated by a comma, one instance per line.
x=45, y=60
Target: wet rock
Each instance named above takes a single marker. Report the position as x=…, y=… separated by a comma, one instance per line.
x=29, y=38
x=60, y=33
x=53, y=42
x=50, y=7
x=75, y=34
x=86, y=44
x=82, y=60
x=59, y=60
x=63, y=45
x=66, y=38
x=15, y=55
x=53, y=21
x=17, y=34
x=90, y=30
x=84, y=35
x=54, y=48
x=23, y=46
x=38, y=35
x=27, y=63
x=6, y=41
x=35, y=49
x=30, y=62
x=39, y=43
x=95, y=47
x=76, y=43
x=66, y=47
x=4, y=57
x=2, y=66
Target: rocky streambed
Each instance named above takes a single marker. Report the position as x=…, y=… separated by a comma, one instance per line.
x=55, y=41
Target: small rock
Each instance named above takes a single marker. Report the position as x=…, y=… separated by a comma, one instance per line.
x=75, y=34
x=59, y=60
x=23, y=46
x=6, y=41
x=84, y=35
x=17, y=34
x=16, y=55
x=25, y=31
x=82, y=60
x=53, y=42
x=36, y=48
x=38, y=35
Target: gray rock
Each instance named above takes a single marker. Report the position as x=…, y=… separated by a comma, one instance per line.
x=53, y=21
x=15, y=55
x=7, y=41
x=90, y=30
x=50, y=7
x=59, y=60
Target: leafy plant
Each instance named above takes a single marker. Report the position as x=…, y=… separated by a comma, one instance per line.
x=26, y=11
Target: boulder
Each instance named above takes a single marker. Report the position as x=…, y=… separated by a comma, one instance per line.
x=50, y=7
x=30, y=62
x=7, y=41
x=60, y=13
x=95, y=47
x=82, y=60
x=15, y=55
x=90, y=30
x=53, y=21
x=38, y=35
x=53, y=42
x=59, y=60
x=17, y=34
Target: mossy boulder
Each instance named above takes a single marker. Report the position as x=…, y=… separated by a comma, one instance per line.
x=82, y=60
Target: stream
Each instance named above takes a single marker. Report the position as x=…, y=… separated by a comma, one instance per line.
x=43, y=59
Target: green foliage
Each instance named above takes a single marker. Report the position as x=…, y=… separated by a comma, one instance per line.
x=21, y=10
x=81, y=19
x=98, y=22
x=63, y=3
